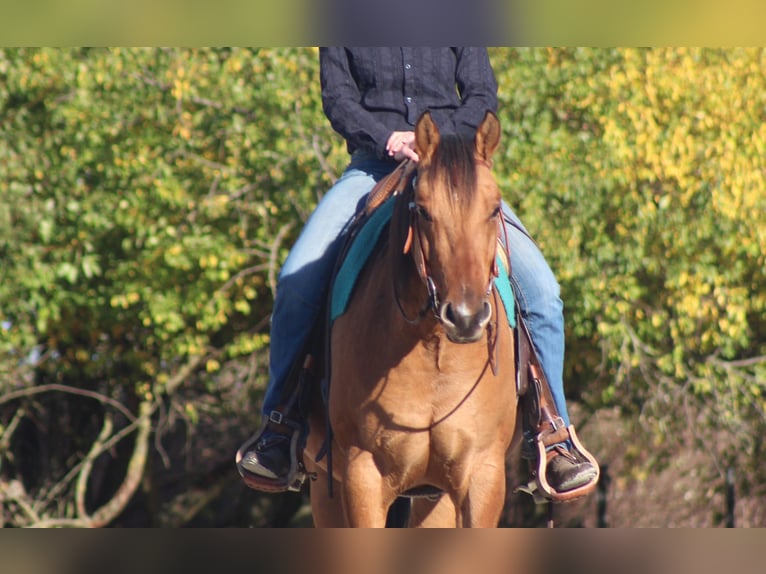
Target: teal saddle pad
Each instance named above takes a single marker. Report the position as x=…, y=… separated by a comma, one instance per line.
x=360, y=251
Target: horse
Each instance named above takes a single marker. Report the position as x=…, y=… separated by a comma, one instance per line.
x=422, y=393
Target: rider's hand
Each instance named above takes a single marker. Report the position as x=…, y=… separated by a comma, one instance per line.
x=401, y=145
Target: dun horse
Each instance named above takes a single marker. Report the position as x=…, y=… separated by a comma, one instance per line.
x=422, y=386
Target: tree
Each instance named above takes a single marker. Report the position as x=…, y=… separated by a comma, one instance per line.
x=151, y=196
x=641, y=173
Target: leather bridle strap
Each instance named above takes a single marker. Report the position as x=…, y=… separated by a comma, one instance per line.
x=432, y=303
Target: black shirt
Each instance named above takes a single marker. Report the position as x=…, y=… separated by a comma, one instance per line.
x=368, y=93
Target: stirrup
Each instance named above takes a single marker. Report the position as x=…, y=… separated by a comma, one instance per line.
x=297, y=474
x=538, y=486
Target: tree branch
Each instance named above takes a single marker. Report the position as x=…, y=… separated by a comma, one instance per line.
x=60, y=485
x=87, y=464
x=7, y=433
x=737, y=363
x=322, y=160
x=110, y=510
x=14, y=491
x=28, y=392
x=138, y=423
x=116, y=505
x=204, y=102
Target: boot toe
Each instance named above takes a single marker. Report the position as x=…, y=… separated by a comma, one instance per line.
x=564, y=473
x=270, y=458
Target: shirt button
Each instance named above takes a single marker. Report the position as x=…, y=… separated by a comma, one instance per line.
x=408, y=99
x=407, y=66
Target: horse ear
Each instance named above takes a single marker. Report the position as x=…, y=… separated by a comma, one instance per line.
x=487, y=136
x=426, y=138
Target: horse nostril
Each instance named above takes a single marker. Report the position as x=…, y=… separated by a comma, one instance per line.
x=449, y=314
x=461, y=317
x=464, y=324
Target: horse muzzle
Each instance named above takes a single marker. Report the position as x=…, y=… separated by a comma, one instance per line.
x=464, y=324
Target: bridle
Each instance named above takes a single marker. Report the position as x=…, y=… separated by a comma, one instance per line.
x=414, y=236
x=432, y=302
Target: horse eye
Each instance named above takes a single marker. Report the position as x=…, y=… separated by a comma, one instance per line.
x=422, y=212
x=495, y=213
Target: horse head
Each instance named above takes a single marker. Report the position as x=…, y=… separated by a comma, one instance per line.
x=454, y=213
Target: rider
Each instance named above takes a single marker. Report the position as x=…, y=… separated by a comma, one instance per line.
x=373, y=98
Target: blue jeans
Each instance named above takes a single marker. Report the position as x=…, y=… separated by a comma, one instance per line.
x=303, y=281
x=304, y=278
x=539, y=296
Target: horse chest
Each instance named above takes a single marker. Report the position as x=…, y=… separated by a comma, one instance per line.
x=438, y=457
x=439, y=422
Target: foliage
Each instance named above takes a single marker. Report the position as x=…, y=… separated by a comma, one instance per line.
x=149, y=198
x=150, y=195
x=641, y=172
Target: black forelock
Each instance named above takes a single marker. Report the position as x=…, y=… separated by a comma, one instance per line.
x=454, y=158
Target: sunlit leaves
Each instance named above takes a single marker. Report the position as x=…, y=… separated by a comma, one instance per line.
x=642, y=175
x=143, y=190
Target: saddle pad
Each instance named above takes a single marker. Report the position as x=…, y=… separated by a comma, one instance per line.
x=361, y=249
x=357, y=256
x=503, y=288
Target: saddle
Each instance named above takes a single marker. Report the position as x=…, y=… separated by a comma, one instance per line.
x=395, y=182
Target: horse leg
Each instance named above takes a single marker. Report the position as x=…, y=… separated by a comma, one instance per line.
x=483, y=505
x=363, y=491
x=433, y=513
x=326, y=511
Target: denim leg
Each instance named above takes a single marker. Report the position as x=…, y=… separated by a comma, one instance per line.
x=303, y=280
x=539, y=298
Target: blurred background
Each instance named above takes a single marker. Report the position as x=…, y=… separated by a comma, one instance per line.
x=148, y=197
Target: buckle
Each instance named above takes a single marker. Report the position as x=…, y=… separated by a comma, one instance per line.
x=276, y=417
